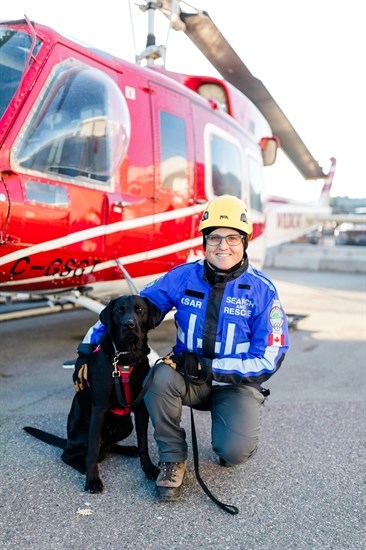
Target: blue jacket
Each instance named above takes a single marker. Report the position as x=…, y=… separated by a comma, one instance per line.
x=239, y=323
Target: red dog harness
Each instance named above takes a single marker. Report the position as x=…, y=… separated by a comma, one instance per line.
x=122, y=372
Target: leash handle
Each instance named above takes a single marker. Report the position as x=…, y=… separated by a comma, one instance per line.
x=233, y=510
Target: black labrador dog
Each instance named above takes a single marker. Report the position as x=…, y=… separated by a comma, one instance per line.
x=100, y=413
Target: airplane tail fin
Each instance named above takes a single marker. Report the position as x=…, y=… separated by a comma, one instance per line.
x=328, y=181
x=46, y=437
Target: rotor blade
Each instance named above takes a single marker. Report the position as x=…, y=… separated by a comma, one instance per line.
x=207, y=37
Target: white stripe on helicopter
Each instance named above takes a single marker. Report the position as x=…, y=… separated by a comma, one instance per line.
x=103, y=230
x=125, y=260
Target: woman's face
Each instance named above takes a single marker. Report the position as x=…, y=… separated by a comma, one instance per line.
x=224, y=256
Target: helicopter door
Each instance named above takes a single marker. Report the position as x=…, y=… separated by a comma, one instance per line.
x=174, y=170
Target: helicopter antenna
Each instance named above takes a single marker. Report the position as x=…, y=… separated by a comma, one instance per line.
x=152, y=52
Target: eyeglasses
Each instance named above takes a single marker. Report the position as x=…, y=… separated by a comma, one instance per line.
x=231, y=240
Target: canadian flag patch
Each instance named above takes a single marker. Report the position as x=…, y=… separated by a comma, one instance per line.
x=277, y=339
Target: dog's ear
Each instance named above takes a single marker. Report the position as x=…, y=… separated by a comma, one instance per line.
x=105, y=315
x=155, y=315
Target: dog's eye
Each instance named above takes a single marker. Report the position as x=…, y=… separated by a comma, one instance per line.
x=140, y=309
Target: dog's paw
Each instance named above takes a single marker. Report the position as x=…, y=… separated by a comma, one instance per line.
x=94, y=485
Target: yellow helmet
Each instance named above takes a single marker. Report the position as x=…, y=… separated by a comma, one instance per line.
x=227, y=211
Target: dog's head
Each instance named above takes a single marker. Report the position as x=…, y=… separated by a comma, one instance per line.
x=128, y=319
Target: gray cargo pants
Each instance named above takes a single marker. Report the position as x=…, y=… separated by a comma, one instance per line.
x=235, y=414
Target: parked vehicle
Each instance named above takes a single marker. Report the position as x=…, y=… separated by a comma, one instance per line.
x=351, y=234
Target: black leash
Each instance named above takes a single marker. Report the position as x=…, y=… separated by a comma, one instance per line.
x=233, y=510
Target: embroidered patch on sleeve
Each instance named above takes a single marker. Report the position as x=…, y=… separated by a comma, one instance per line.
x=277, y=338
x=276, y=316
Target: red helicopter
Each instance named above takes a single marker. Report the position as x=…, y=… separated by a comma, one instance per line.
x=106, y=166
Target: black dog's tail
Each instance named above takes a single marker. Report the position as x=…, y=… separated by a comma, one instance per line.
x=46, y=437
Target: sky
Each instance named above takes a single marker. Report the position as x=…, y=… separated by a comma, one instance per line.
x=310, y=55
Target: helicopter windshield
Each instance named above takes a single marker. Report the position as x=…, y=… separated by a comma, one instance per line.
x=79, y=128
x=14, y=52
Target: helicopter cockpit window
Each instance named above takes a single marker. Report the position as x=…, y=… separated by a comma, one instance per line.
x=15, y=47
x=174, y=164
x=80, y=128
x=226, y=166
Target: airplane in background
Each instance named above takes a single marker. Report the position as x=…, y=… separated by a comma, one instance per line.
x=106, y=166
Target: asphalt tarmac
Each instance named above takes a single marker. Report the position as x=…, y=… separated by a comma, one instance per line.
x=304, y=489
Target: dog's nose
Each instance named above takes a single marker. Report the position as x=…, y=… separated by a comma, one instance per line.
x=130, y=323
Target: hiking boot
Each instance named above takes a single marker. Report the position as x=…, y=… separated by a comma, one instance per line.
x=170, y=479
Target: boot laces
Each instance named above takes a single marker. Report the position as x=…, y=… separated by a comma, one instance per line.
x=168, y=471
